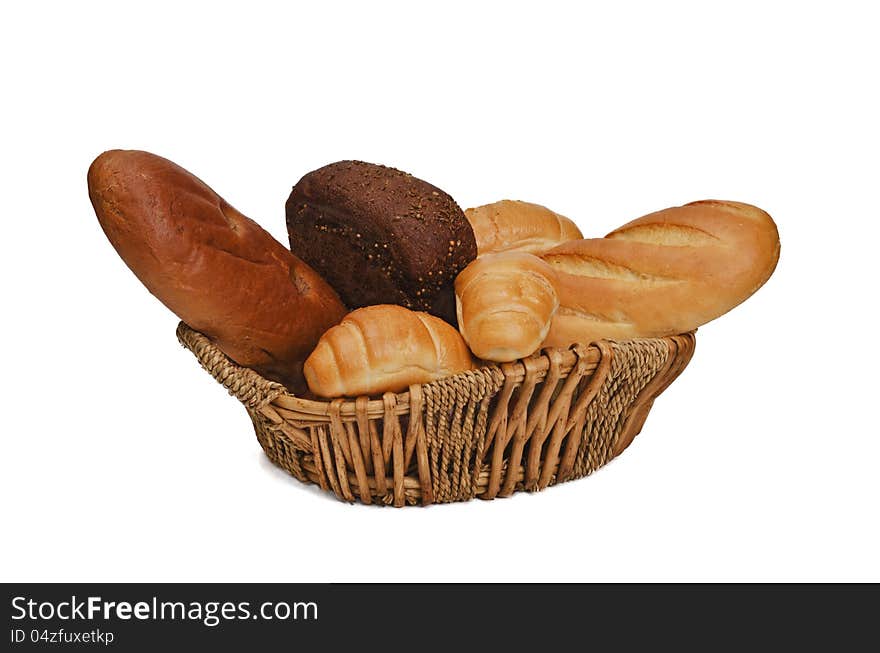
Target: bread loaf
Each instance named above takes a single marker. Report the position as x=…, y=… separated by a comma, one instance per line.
x=384, y=348
x=219, y=271
x=505, y=302
x=665, y=273
x=511, y=225
x=380, y=236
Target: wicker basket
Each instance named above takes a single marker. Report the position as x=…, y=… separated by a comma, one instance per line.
x=553, y=417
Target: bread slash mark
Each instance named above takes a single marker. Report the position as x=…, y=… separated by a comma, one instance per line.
x=589, y=266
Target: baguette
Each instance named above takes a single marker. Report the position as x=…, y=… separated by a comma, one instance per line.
x=217, y=270
x=664, y=273
x=511, y=225
x=384, y=348
x=505, y=302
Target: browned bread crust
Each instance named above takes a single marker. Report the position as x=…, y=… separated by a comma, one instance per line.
x=512, y=225
x=664, y=273
x=219, y=271
x=385, y=348
x=505, y=302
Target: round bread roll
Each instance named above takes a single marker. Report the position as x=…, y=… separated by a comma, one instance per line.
x=384, y=348
x=505, y=302
x=512, y=225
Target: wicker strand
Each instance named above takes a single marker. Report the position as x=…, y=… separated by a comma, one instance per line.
x=578, y=416
x=363, y=428
x=278, y=445
x=454, y=431
x=420, y=444
x=517, y=427
x=247, y=386
x=480, y=429
x=536, y=429
x=632, y=367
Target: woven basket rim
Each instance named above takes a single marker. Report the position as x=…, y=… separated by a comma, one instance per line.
x=540, y=362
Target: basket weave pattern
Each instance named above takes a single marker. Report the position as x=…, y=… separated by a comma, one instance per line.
x=556, y=416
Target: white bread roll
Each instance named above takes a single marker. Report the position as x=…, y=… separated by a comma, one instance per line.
x=505, y=302
x=511, y=225
x=665, y=273
x=384, y=348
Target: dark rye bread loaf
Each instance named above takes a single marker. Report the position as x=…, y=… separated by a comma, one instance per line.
x=380, y=236
x=219, y=271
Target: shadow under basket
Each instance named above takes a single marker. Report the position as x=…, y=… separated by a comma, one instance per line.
x=553, y=417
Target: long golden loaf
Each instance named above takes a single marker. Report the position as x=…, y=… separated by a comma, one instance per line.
x=512, y=225
x=384, y=348
x=664, y=273
x=505, y=302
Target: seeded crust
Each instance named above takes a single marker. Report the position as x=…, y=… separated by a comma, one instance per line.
x=380, y=236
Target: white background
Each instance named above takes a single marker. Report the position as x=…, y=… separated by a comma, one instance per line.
x=122, y=460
